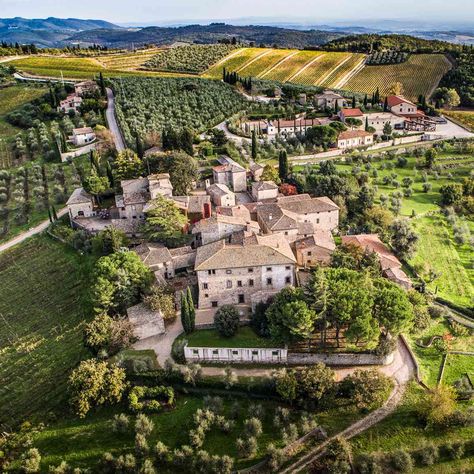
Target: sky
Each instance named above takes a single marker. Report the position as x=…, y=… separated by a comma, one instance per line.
x=316, y=11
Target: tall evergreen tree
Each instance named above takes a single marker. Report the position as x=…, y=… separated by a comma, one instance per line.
x=254, y=145
x=55, y=215
x=185, y=313
x=139, y=145
x=366, y=101
x=354, y=102
x=191, y=310
x=102, y=85
x=50, y=216
x=385, y=105
x=366, y=124
x=283, y=165
x=377, y=96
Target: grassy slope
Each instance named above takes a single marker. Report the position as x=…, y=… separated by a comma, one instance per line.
x=419, y=75
x=453, y=261
x=402, y=430
x=12, y=98
x=42, y=310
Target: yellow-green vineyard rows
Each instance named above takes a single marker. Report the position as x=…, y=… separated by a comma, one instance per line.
x=128, y=60
x=234, y=62
x=287, y=69
x=264, y=63
x=419, y=76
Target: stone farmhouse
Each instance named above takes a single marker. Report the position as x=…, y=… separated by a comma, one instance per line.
x=328, y=100
x=231, y=174
x=72, y=103
x=82, y=136
x=344, y=114
x=244, y=273
x=297, y=217
x=315, y=249
x=80, y=204
x=391, y=266
x=86, y=87
x=263, y=190
x=221, y=195
x=354, y=139
x=414, y=119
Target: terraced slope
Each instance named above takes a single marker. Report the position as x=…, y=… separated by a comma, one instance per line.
x=419, y=75
x=286, y=70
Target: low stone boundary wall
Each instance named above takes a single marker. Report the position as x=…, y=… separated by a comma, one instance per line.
x=236, y=355
x=341, y=359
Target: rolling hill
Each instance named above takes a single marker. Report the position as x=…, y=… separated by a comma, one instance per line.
x=47, y=32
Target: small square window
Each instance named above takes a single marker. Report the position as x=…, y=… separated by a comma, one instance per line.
x=235, y=353
x=215, y=304
x=215, y=352
x=228, y=284
x=195, y=351
x=254, y=353
x=206, y=295
x=274, y=353
x=309, y=254
x=239, y=283
x=269, y=281
x=205, y=286
x=288, y=268
x=251, y=282
x=317, y=221
x=269, y=269
x=288, y=280
x=250, y=270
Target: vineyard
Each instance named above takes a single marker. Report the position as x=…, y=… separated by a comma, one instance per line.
x=127, y=61
x=193, y=59
x=386, y=57
x=419, y=75
x=464, y=117
x=150, y=104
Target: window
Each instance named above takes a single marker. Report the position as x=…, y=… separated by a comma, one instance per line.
x=317, y=220
x=250, y=270
x=211, y=272
x=254, y=353
x=288, y=268
x=205, y=286
x=288, y=280
x=235, y=353
x=80, y=213
x=228, y=284
x=229, y=272
x=286, y=233
x=274, y=353
x=206, y=295
x=309, y=253
x=241, y=299
x=269, y=269
x=250, y=282
x=215, y=352
x=195, y=352
x=269, y=281
x=214, y=304
x=239, y=284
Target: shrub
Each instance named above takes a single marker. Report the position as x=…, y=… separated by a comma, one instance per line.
x=227, y=320
x=213, y=404
x=120, y=423
x=141, y=445
x=256, y=410
x=177, y=351
x=161, y=299
x=247, y=447
x=31, y=461
x=145, y=398
x=276, y=457
x=143, y=425
x=290, y=433
x=401, y=460
x=428, y=454
x=253, y=427
x=369, y=464
x=455, y=450
x=162, y=453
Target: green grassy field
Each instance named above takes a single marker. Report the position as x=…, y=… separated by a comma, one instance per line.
x=245, y=338
x=457, y=366
x=12, y=98
x=43, y=308
x=403, y=430
x=419, y=75
x=436, y=249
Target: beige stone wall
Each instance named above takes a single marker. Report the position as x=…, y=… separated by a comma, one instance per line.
x=239, y=182
x=81, y=210
x=313, y=256
x=225, y=288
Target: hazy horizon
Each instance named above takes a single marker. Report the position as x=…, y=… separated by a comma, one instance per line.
x=277, y=11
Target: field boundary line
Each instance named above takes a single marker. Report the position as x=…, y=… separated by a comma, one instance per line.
x=306, y=66
x=332, y=71
x=221, y=61
x=256, y=58
x=354, y=71
x=269, y=70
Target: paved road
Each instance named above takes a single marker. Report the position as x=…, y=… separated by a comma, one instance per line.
x=231, y=136
x=112, y=122
x=29, y=233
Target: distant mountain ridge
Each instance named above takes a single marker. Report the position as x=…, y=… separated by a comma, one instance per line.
x=47, y=32
x=268, y=35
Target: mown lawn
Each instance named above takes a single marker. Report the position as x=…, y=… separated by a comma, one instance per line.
x=402, y=430
x=43, y=308
x=457, y=366
x=245, y=338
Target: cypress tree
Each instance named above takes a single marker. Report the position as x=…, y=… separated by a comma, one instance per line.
x=254, y=145
x=385, y=105
x=354, y=103
x=377, y=96
x=366, y=124
x=185, y=313
x=110, y=175
x=102, y=85
x=224, y=75
x=139, y=144
x=365, y=101
x=283, y=165
x=191, y=310
x=336, y=107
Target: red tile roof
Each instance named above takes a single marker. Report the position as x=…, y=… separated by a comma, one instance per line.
x=354, y=134
x=394, y=100
x=352, y=112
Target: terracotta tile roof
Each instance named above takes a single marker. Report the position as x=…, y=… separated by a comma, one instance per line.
x=82, y=131
x=352, y=112
x=153, y=254
x=374, y=244
x=320, y=238
x=264, y=186
x=348, y=134
x=394, y=100
x=254, y=252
